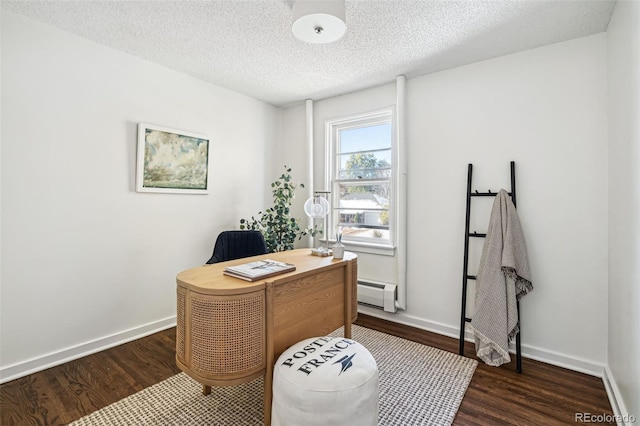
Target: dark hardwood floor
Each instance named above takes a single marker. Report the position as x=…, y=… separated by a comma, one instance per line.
x=541, y=395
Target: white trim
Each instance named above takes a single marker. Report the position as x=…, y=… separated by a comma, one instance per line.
x=615, y=398
x=558, y=359
x=332, y=127
x=33, y=365
x=309, y=140
x=359, y=247
x=400, y=205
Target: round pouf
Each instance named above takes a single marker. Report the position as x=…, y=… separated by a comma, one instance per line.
x=325, y=381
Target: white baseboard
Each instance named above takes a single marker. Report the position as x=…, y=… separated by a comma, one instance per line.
x=21, y=369
x=622, y=415
x=539, y=354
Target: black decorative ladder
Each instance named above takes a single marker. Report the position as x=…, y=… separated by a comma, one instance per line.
x=465, y=266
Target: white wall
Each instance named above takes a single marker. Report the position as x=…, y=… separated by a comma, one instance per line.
x=546, y=110
x=623, y=38
x=87, y=261
x=292, y=151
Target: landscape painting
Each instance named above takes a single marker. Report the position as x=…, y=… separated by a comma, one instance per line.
x=171, y=161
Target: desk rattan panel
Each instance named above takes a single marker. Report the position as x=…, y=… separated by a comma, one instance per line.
x=224, y=337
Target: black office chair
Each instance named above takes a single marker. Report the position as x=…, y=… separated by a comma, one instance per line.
x=237, y=244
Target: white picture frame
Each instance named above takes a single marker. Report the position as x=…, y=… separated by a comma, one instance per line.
x=171, y=161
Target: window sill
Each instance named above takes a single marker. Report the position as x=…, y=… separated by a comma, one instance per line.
x=369, y=248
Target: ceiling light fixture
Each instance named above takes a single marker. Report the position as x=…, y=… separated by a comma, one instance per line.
x=319, y=21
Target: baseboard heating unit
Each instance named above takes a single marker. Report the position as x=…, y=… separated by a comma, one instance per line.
x=377, y=295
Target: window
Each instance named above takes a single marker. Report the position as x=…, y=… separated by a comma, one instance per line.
x=361, y=165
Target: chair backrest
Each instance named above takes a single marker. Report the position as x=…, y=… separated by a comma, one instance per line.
x=237, y=244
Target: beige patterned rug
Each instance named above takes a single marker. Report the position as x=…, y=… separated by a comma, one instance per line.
x=419, y=385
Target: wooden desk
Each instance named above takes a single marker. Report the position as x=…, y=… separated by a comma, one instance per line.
x=231, y=331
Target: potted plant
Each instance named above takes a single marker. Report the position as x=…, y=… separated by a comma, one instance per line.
x=279, y=229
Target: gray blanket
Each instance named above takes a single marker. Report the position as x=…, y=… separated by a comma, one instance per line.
x=503, y=278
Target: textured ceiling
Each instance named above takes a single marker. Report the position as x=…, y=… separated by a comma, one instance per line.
x=247, y=46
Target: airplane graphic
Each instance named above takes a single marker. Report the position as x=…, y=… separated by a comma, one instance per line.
x=346, y=362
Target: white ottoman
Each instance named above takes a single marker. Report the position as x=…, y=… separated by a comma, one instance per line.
x=325, y=381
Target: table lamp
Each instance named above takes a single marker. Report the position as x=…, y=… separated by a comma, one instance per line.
x=317, y=207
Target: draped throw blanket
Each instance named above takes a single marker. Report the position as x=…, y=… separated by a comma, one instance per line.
x=503, y=278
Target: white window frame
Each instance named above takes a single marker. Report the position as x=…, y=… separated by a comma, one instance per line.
x=332, y=127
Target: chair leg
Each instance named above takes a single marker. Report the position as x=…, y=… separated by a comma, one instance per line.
x=206, y=389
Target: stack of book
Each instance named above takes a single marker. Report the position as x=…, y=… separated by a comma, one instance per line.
x=258, y=270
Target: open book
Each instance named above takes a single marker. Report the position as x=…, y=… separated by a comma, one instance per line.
x=253, y=271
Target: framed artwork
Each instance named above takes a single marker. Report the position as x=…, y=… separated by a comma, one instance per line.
x=171, y=161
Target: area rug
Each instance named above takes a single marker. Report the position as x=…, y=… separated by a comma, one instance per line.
x=419, y=385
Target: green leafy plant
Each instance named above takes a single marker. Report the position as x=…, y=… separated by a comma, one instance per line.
x=279, y=229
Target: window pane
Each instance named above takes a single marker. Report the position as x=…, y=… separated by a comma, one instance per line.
x=363, y=234
x=369, y=165
x=372, y=219
x=368, y=138
x=364, y=195
x=362, y=208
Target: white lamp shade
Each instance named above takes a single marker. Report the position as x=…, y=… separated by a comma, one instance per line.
x=319, y=21
x=316, y=207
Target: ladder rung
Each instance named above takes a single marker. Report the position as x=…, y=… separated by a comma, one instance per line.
x=485, y=194
x=467, y=320
x=471, y=277
x=475, y=234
